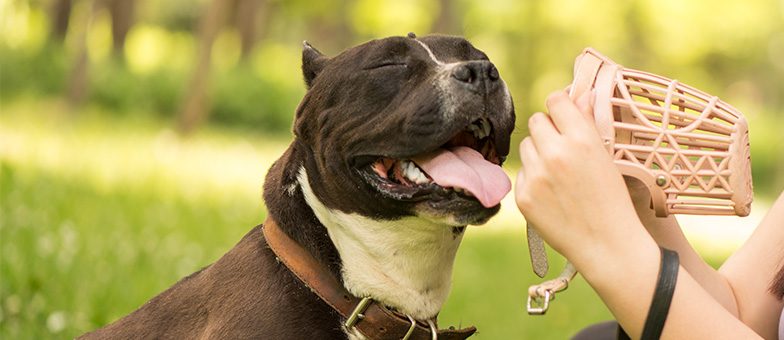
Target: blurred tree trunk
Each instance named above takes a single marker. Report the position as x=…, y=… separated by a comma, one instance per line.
x=332, y=32
x=195, y=104
x=60, y=17
x=122, y=13
x=448, y=21
x=247, y=15
x=78, y=78
x=530, y=43
x=342, y=28
x=636, y=38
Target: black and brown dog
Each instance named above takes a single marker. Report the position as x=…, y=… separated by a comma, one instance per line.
x=398, y=147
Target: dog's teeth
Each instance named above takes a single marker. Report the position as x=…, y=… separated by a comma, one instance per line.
x=417, y=176
x=480, y=128
x=413, y=173
x=477, y=131
x=422, y=179
x=462, y=191
x=485, y=128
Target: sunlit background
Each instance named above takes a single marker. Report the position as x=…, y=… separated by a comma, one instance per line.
x=135, y=134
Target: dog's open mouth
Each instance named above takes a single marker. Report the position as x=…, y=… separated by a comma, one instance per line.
x=466, y=167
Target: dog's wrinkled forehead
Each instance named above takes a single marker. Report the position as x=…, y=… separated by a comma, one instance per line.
x=435, y=49
x=450, y=49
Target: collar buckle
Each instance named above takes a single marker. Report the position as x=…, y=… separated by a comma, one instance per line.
x=357, y=315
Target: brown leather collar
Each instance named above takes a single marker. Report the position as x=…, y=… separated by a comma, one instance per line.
x=376, y=321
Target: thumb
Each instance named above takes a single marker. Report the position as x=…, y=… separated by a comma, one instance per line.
x=585, y=104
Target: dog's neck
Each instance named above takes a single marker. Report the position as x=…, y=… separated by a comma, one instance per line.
x=286, y=204
x=405, y=264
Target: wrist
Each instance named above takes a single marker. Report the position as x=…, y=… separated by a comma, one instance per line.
x=619, y=255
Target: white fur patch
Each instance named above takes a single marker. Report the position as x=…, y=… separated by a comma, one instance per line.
x=405, y=264
x=429, y=52
x=354, y=334
x=291, y=188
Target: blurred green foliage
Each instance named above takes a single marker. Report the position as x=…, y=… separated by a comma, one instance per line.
x=102, y=206
x=728, y=48
x=41, y=72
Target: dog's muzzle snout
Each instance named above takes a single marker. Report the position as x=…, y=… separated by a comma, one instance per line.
x=477, y=76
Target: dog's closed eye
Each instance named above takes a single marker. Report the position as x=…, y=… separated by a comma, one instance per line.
x=387, y=64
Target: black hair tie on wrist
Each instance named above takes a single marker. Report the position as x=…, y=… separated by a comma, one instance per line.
x=662, y=297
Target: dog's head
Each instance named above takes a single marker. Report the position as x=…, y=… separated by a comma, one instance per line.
x=406, y=126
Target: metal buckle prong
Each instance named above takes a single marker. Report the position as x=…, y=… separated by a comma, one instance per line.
x=356, y=315
x=433, y=329
x=410, y=329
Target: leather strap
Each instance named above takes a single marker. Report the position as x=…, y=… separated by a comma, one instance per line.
x=377, y=321
x=537, y=251
x=662, y=296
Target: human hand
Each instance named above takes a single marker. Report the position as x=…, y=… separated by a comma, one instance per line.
x=569, y=188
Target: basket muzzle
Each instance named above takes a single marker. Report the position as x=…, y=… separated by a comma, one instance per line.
x=689, y=148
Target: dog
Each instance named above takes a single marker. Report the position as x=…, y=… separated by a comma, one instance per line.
x=398, y=147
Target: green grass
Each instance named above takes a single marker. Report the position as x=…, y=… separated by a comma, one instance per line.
x=98, y=215
x=75, y=257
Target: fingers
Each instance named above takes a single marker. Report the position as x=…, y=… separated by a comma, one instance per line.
x=543, y=132
x=585, y=104
x=565, y=114
x=528, y=154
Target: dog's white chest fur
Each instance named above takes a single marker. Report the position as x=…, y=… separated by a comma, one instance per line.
x=405, y=264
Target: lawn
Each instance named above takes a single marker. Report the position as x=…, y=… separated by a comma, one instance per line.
x=97, y=215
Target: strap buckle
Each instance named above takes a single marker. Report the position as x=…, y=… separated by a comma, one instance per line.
x=545, y=304
x=546, y=291
x=357, y=315
x=410, y=329
x=433, y=329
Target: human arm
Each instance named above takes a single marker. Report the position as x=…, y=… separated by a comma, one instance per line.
x=750, y=271
x=741, y=285
x=570, y=190
x=667, y=233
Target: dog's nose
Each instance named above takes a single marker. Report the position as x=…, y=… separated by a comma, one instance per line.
x=478, y=75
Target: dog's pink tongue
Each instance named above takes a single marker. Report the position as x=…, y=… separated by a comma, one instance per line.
x=465, y=168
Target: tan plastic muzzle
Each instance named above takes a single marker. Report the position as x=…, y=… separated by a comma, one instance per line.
x=690, y=149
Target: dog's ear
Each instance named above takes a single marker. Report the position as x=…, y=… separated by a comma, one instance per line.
x=313, y=62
